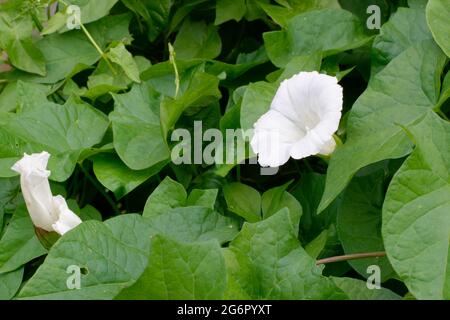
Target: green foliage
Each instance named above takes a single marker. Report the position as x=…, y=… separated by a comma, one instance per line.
x=104, y=100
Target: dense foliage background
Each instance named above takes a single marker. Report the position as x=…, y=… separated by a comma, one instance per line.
x=104, y=99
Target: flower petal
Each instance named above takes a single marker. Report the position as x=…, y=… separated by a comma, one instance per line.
x=67, y=220
x=273, y=138
x=36, y=188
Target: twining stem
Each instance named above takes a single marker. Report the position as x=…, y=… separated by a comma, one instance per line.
x=94, y=43
x=351, y=257
x=172, y=57
x=100, y=189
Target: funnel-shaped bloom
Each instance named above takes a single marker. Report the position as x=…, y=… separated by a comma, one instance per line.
x=301, y=121
x=47, y=212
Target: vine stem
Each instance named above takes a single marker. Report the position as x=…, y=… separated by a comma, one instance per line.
x=93, y=42
x=351, y=257
x=100, y=189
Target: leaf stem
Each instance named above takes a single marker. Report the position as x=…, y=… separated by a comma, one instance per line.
x=351, y=257
x=97, y=47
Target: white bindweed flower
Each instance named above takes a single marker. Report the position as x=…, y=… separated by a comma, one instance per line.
x=301, y=121
x=47, y=212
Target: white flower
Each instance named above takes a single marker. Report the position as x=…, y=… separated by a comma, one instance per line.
x=301, y=121
x=47, y=212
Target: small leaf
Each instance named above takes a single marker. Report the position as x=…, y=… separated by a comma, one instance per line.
x=243, y=200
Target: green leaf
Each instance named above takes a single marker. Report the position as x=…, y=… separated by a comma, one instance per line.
x=197, y=40
x=61, y=62
x=229, y=10
x=297, y=64
x=181, y=271
x=201, y=90
x=111, y=256
x=190, y=224
x=327, y=31
x=243, y=200
x=92, y=10
x=136, y=127
x=10, y=283
x=373, y=133
x=359, y=221
x=155, y=13
x=205, y=198
x=9, y=191
x=289, y=9
x=438, y=12
x=258, y=96
x=22, y=51
x=86, y=213
x=19, y=243
x=123, y=58
x=315, y=247
x=357, y=290
x=117, y=177
x=416, y=222
x=266, y=262
x=404, y=29
x=275, y=199
x=308, y=192
x=63, y=131
x=169, y=194
x=257, y=99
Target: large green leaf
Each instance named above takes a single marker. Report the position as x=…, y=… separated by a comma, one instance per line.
x=194, y=223
x=111, y=255
x=357, y=290
x=180, y=271
x=63, y=131
x=265, y=261
x=438, y=12
x=402, y=92
x=328, y=31
x=416, y=220
x=136, y=126
x=19, y=243
x=405, y=28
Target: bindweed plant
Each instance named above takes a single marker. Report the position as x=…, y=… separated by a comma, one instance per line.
x=286, y=149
